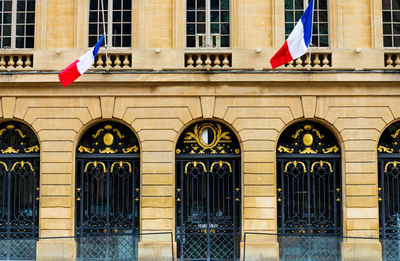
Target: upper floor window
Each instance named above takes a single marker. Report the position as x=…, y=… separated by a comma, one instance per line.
x=119, y=29
x=293, y=11
x=207, y=23
x=391, y=23
x=17, y=23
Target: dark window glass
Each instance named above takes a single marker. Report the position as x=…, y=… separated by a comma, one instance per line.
x=396, y=28
x=225, y=16
x=315, y=29
x=92, y=28
x=289, y=16
x=214, y=4
x=30, y=30
x=214, y=28
x=20, y=30
x=7, y=18
x=116, y=29
x=21, y=6
x=127, y=16
x=323, y=28
x=387, y=28
x=116, y=16
x=127, y=29
x=288, y=4
x=215, y=16
x=396, y=17
x=117, y=4
x=19, y=42
x=190, y=41
x=116, y=41
x=323, y=41
x=315, y=40
x=323, y=4
x=201, y=28
x=190, y=29
x=224, y=4
x=201, y=16
x=289, y=28
x=191, y=4
x=7, y=30
x=387, y=17
x=323, y=16
x=201, y=4
x=7, y=42
x=386, y=5
x=92, y=40
x=21, y=18
x=7, y=5
x=93, y=17
x=396, y=41
x=298, y=15
x=190, y=17
x=395, y=4
x=30, y=5
x=224, y=41
x=126, y=41
x=224, y=28
x=29, y=42
x=299, y=4
x=127, y=4
x=94, y=5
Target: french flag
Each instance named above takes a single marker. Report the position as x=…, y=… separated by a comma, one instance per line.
x=80, y=66
x=297, y=43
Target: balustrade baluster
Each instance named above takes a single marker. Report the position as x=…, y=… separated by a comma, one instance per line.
x=190, y=61
x=397, y=61
x=217, y=61
x=11, y=62
x=2, y=63
x=389, y=60
x=208, y=61
x=225, y=62
x=28, y=62
x=117, y=61
x=325, y=61
x=19, y=62
x=126, y=61
x=199, y=62
x=317, y=61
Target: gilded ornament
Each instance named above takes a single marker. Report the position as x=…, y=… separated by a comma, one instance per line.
x=134, y=148
x=333, y=149
x=385, y=149
x=32, y=149
x=118, y=133
x=97, y=133
x=121, y=164
x=4, y=164
x=297, y=133
x=22, y=163
x=396, y=134
x=85, y=149
x=108, y=139
x=321, y=164
x=195, y=163
x=9, y=150
x=308, y=139
x=218, y=136
x=308, y=150
x=108, y=150
x=394, y=163
x=284, y=149
x=220, y=164
x=95, y=163
x=237, y=151
x=318, y=133
x=295, y=162
x=178, y=151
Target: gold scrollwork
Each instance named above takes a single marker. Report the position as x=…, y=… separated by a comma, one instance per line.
x=318, y=133
x=130, y=149
x=295, y=162
x=394, y=163
x=385, y=149
x=220, y=163
x=9, y=150
x=195, y=165
x=4, y=164
x=217, y=132
x=99, y=131
x=32, y=149
x=95, y=165
x=22, y=163
x=108, y=150
x=321, y=164
x=285, y=150
x=119, y=133
x=333, y=149
x=308, y=150
x=396, y=134
x=297, y=133
x=85, y=149
x=11, y=127
x=121, y=163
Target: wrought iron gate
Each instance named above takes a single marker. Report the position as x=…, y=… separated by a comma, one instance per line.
x=107, y=194
x=388, y=192
x=208, y=194
x=308, y=193
x=19, y=192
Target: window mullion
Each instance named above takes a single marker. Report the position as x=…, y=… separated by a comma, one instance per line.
x=13, y=23
x=208, y=24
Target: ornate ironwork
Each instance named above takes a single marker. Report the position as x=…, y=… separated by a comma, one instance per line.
x=208, y=138
x=108, y=138
x=308, y=191
x=19, y=192
x=208, y=195
x=16, y=137
x=307, y=138
x=388, y=192
x=107, y=195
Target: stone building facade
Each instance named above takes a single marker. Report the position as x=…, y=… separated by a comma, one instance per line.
x=158, y=87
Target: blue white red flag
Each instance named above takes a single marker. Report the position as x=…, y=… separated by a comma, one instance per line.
x=297, y=43
x=80, y=66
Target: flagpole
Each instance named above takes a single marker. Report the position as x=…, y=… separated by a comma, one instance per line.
x=105, y=35
x=309, y=46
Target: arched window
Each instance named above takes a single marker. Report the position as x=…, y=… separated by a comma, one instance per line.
x=119, y=29
x=391, y=23
x=107, y=193
x=293, y=11
x=17, y=23
x=388, y=190
x=207, y=23
x=308, y=192
x=19, y=191
x=208, y=200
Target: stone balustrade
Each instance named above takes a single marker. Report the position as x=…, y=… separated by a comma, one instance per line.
x=208, y=60
x=16, y=61
x=114, y=61
x=318, y=60
x=392, y=60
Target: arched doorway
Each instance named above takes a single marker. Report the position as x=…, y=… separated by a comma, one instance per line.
x=389, y=192
x=208, y=189
x=309, y=193
x=19, y=191
x=107, y=193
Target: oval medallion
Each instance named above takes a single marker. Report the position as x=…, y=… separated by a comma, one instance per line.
x=207, y=136
x=108, y=139
x=307, y=139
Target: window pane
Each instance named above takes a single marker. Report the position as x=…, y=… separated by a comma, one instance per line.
x=224, y=28
x=190, y=29
x=289, y=16
x=116, y=41
x=396, y=41
x=396, y=16
x=288, y=28
x=21, y=6
x=396, y=5
x=30, y=30
x=387, y=41
x=6, y=30
x=29, y=42
x=30, y=5
x=387, y=28
x=214, y=28
x=19, y=42
x=190, y=16
x=214, y=4
x=94, y=5
x=386, y=5
x=215, y=17
x=298, y=15
x=127, y=4
x=126, y=41
x=288, y=4
x=323, y=28
x=92, y=40
x=323, y=4
x=20, y=18
x=315, y=29
x=92, y=28
x=127, y=16
x=7, y=6
x=93, y=16
x=386, y=17
x=396, y=29
x=7, y=18
x=224, y=41
x=224, y=4
x=323, y=41
x=127, y=29
x=225, y=16
x=201, y=4
x=116, y=16
x=116, y=29
x=20, y=30
x=190, y=4
x=323, y=16
x=314, y=40
x=299, y=4
x=201, y=28
x=190, y=41
x=201, y=16
x=7, y=42
x=116, y=4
